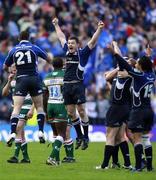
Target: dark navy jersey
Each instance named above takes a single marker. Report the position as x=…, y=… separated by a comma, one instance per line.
x=142, y=84
x=121, y=91
x=25, y=56
x=75, y=63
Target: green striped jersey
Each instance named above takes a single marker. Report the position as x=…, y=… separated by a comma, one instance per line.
x=54, y=82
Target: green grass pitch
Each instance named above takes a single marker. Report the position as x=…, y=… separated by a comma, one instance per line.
x=83, y=169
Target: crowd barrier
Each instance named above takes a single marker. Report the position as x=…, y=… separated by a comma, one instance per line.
x=96, y=133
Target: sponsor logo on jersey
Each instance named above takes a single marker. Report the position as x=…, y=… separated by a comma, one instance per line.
x=78, y=101
x=39, y=91
x=18, y=93
x=140, y=126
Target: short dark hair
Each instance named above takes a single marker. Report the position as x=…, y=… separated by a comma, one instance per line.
x=146, y=64
x=24, y=35
x=57, y=63
x=74, y=38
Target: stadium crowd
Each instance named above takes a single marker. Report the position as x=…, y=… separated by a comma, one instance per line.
x=132, y=23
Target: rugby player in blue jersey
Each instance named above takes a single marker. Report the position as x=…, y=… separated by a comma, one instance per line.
x=25, y=56
x=116, y=117
x=73, y=89
x=141, y=115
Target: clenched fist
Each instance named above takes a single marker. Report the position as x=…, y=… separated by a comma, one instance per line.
x=55, y=21
x=101, y=25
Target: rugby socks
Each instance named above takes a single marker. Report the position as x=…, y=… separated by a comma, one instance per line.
x=54, y=138
x=149, y=154
x=115, y=154
x=85, y=126
x=69, y=148
x=14, y=120
x=76, y=124
x=40, y=120
x=24, y=149
x=55, y=154
x=17, y=147
x=125, y=152
x=108, y=152
x=138, y=150
x=148, y=150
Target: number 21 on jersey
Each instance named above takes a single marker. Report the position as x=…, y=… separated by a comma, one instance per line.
x=23, y=57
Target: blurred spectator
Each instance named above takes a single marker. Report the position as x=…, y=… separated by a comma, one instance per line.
x=91, y=105
x=103, y=104
x=5, y=110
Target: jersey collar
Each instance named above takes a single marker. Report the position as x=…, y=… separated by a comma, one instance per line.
x=24, y=41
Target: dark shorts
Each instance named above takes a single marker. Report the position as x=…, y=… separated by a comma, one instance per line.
x=141, y=119
x=74, y=93
x=117, y=115
x=28, y=84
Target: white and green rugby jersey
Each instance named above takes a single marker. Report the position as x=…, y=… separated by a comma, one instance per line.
x=27, y=102
x=54, y=82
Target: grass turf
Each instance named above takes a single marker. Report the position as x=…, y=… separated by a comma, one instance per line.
x=83, y=169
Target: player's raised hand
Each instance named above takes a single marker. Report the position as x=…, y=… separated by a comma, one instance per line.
x=55, y=21
x=114, y=44
x=116, y=48
x=148, y=50
x=101, y=25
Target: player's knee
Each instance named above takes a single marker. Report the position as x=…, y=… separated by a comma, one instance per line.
x=15, y=113
x=39, y=110
x=117, y=140
x=85, y=119
x=120, y=138
x=68, y=133
x=19, y=128
x=110, y=138
x=82, y=113
x=137, y=139
x=110, y=141
x=60, y=138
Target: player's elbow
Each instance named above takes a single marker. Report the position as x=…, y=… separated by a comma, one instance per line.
x=49, y=59
x=91, y=45
x=108, y=78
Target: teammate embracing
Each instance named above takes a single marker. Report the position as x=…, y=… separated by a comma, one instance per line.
x=117, y=115
x=141, y=115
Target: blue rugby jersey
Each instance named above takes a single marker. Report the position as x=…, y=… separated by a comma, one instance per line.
x=25, y=56
x=75, y=63
x=142, y=84
x=121, y=91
